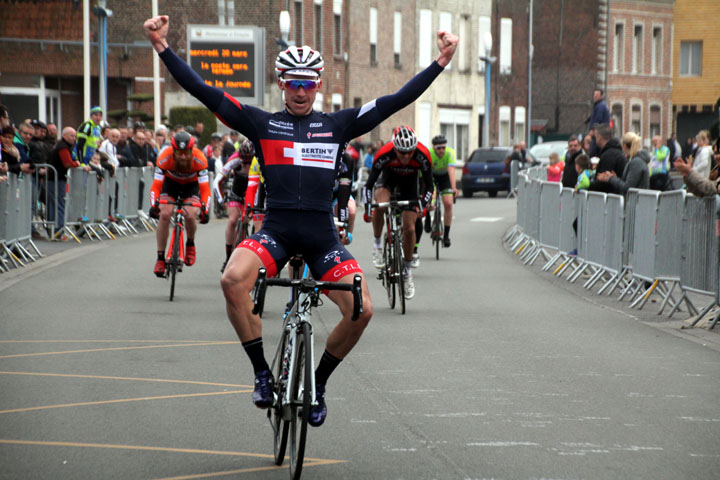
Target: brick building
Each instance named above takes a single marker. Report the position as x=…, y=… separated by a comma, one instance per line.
x=568, y=63
x=639, y=90
x=695, y=66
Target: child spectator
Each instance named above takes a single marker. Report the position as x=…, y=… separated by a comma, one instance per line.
x=555, y=168
x=585, y=174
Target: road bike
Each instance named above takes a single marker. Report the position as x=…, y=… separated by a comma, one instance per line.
x=392, y=274
x=293, y=364
x=176, y=250
x=244, y=226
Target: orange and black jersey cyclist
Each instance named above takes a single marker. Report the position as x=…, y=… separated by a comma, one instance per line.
x=172, y=183
x=389, y=172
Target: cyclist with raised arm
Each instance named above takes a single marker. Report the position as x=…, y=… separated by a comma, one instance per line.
x=299, y=154
x=395, y=168
x=181, y=172
x=238, y=165
x=443, y=168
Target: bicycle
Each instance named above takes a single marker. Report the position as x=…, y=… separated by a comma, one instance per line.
x=436, y=234
x=243, y=226
x=176, y=250
x=392, y=275
x=293, y=364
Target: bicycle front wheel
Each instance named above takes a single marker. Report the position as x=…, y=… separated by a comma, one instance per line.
x=399, y=275
x=437, y=229
x=388, y=270
x=301, y=392
x=174, y=258
x=275, y=412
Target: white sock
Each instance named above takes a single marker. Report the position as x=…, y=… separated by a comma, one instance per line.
x=377, y=243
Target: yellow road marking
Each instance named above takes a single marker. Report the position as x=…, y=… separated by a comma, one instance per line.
x=122, y=400
x=318, y=461
x=100, y=377
x=249, y=470
x=115, y=349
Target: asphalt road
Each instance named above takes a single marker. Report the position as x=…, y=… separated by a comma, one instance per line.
x=496, y=372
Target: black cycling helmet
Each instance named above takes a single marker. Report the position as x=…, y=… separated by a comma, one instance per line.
x=439, y=139
x=404, y=139
x=246, y=151
x=183, y=141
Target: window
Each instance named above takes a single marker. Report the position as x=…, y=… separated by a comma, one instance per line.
x=619, y=48
x=337, y=27
x=504, y=126
x=445, y=23
x=655, y=120
x=616, y=116
x=373, y=36
x=506, y=46
x=454, y=124
x=337, y=102
x=426, y=39
x=318, y=104
x=464, y=47
x=656, y=51
x=637, y=51
x=397, y=38
x=483, y=26
x=636, y=119
x=317, y=31
x=298, y=23
x=691, y=58
x=424, y=116
x=519, y=124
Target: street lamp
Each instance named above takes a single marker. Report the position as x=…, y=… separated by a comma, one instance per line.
x=103, y=13
x=284, y=30
x=487, y=40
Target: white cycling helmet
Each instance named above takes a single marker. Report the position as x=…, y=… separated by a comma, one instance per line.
x=404, y=139
x=300, y=60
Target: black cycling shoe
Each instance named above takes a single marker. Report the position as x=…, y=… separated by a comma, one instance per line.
x=318, y=413
x=446, y=242
x=263, y=393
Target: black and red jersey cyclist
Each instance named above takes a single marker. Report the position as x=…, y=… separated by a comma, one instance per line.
x=238, y=165
x=395, y=168
x=299, y=151
x=181, y=172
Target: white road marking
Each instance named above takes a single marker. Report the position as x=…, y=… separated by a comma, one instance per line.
x=486, y=219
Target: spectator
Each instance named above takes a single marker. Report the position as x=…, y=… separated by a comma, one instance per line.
x=584, y=172
x=104, y=130
x=52, y=134
x=230, y=146
x=517, y=155
x=39, y=150
x=703, y=158
x=569, y=174
x=137, y=147
x=208, y=151
x=688, y=149
x=696, y=184
x=635, y=174
x=23, y=136
x=555, y=168
x=587, y=144
x=109, y=148
x=4, y=117
x=151, y=147
x=659, y=167
x=199, y=129
x=612, y=157
x=124, y=153
x=11, y=154
x=161, y=138
x=715, y=170
x=674, y=148
x=88, y=135
x=63, y=157
x=600, y=116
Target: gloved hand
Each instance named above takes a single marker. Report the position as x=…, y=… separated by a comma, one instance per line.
x=204, y=215
x=425, y=199
x=154, y=211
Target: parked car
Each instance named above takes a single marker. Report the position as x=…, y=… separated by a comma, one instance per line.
x=485, y=171
x=541, y=152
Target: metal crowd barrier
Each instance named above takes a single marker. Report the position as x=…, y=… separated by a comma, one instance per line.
x=16, y=201
x=644, y=243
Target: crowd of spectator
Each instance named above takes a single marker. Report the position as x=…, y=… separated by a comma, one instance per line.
x=94, y=146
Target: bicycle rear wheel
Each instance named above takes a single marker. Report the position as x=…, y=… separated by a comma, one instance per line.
x=400, y=269
x=174, y=258
x=301, y=392
x=275, y=412
x=388, y=269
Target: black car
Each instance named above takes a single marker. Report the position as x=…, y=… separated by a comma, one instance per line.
x=485, y=171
